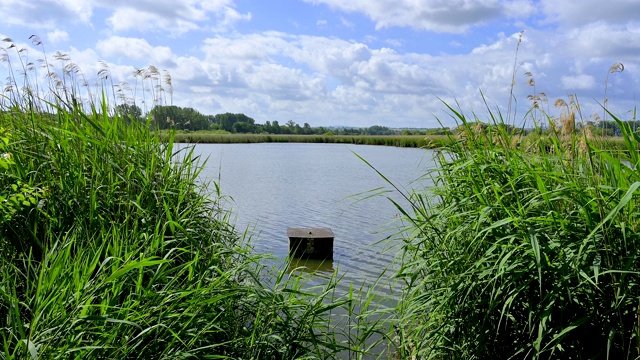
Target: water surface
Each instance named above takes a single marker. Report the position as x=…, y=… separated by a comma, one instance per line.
x=273, y=186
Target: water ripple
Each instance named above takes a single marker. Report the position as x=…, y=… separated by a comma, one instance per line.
x=276, y=186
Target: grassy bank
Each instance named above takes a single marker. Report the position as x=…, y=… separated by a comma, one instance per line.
x=525, y=248
x=612, y=143
x=416, y=141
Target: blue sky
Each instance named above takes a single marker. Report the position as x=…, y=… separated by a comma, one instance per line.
x=345, y=63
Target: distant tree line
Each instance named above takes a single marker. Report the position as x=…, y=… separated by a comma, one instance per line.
x=611, y=128
x=189, y=119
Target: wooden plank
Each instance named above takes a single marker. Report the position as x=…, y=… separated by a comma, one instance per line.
x=309, y=233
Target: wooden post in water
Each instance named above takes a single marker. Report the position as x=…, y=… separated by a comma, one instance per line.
x=315, y=243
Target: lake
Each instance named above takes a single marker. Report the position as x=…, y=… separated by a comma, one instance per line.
x=272, y=186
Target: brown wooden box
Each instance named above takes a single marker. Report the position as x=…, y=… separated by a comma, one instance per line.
x=315, y=243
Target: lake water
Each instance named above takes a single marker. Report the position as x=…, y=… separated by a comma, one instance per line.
x=270, y=187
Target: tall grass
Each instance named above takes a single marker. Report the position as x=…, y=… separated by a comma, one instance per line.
x=524, y=249
x=416, y=141
x=115, y=251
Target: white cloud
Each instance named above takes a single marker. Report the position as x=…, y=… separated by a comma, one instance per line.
x=501, y=44
x=570, y=13
x=350, y=98
x=229, y=18
x=455, y=16
x=124, y=19
x=175, y=17
x=604, y=40
x=282, y=82
x=57, y=36
x=250, y=47
x=83, y=9
x=394, y=42
x=346, y=23
x=135, y=48
x=45, y=14
x=578, y=82
x=340, y=75
x=333, y=57
x=519, y=8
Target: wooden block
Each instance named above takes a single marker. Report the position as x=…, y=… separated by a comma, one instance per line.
x=316, y=243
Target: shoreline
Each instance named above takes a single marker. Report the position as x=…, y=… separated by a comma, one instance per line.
x=415, y=141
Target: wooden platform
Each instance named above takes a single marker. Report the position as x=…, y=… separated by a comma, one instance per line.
x=316, y=243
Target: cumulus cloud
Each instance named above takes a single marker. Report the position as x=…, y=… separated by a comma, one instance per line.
x=135, y=48
x=229, y=17
x=346, y=23
x=283, y=82
x=249, y=47
x=578, y=82
x=176, y=17
x=45, y=14
x=454, y=16
x=602, y=40
x=570, y=13
x=192, y=10
x=351, y=63
x=124, y=19
x=57, y=36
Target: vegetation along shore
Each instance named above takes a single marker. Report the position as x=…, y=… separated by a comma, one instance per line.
x=526, y=247
x=109, y=248
x=415, y=141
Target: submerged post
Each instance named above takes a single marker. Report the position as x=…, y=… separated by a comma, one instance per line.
x=316, y=243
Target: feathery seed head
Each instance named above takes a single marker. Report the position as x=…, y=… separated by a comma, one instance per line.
x=559, y=103
x=617, y=67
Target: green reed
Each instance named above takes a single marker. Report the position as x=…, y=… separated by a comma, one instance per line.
x=116, y=251
x=524, y=249
x=415, y=141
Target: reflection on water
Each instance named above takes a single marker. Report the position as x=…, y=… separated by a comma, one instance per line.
x=311, y=266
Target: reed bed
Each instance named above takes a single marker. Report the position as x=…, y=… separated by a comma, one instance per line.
x=611, y=143
x=525, y=248
x=415, y=141
x=110, y=249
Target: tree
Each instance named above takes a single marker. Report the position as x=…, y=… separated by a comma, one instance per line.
x=164, y=117
x=132, y=113
x=167, y=117
x=242, y=127
x=379, y=130
x=266, y=128
x=227, y=120
x=191, y=119
x=275, y=128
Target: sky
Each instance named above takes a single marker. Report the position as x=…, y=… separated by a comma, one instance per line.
x=356, y=63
